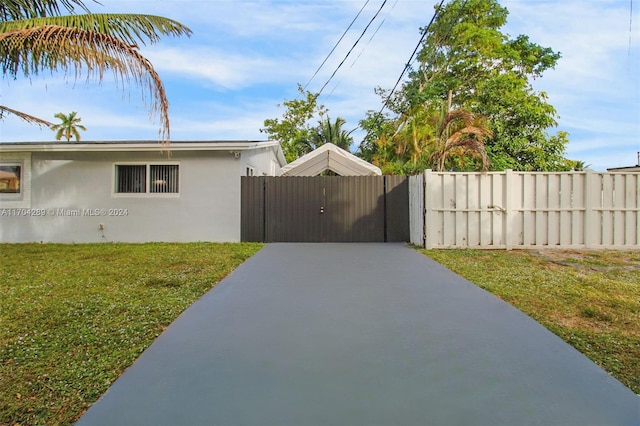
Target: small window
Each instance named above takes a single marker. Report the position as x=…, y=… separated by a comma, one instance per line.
x=131, y=179
x=164, y=178
x=147, y=179
x=10, y=178
x=249, y=171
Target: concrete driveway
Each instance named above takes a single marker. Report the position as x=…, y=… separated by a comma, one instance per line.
x=358, y=334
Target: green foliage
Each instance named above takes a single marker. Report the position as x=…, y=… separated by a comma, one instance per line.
x=295, y=133
x=293, y=130
x=69, y=126
x=74, y=317
x=469, y=64
x=327, y=132
x=376, y=126
x=589, y=299
x=427, y=138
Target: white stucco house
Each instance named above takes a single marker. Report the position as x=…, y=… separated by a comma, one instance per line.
x=133, y=191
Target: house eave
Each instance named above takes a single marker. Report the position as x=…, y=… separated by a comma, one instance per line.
x=629, y=169
x=137, y=146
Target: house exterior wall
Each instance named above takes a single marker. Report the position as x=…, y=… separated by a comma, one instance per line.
x=262, y=161
x=72, y=195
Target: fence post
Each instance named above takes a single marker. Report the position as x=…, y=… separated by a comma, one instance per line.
x=592, y=195
x=423, y=206
x=508, y=209
x=428, y=212
x=416, y=209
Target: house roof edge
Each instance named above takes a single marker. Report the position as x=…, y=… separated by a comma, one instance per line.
x=143, y=145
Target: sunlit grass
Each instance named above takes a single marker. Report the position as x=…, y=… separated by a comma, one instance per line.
x=73, y=317
x=590, y=299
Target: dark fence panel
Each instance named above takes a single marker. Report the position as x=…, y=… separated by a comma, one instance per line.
x=294, y=209
x=397, y=208
x=325, y=209
x=252, y=208
x=354, y=209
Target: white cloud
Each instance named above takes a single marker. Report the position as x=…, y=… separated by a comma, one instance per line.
x=227, y=70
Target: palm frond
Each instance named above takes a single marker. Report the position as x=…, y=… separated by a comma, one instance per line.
x=129, y=28
x=53, y=47
x=479, y=132
x=462, y=144
x=460, y=114
x=460, y=133
x=11, y=10
x=24, y=116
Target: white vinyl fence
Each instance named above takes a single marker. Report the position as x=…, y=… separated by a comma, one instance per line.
x=510, y=209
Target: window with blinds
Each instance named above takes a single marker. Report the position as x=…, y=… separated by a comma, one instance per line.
x=147, y=179
x=163, y=178
x=131, y=179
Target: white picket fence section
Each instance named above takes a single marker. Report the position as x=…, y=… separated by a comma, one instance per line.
x=506, y=210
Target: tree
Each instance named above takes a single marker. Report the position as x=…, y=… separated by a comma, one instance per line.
x=424, y=137
x=36, y=36
x=412, y=141
x=375, y=125
x=327, y=132
x=466, y=62
x=293, y=130
x=460, y=134
x=69, y=126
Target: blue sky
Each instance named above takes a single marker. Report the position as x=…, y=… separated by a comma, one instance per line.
x=246, y=57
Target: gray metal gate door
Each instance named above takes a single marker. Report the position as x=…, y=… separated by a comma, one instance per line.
x=325, y=209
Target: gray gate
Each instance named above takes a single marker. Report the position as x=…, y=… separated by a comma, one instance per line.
x=325, y=209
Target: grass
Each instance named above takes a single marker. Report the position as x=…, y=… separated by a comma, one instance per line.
x=590, y=299
x=73, y=317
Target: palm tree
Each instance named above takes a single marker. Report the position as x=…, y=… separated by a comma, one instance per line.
x=69, y=126
x=36, y=36
x=328, y=132
x=413, y=138
x=459, y=134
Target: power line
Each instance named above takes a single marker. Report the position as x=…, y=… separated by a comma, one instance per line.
x=365, y=47
x=355, y=60
x=630, y=25
x=353, y=47
x=408, y=64
x=336, y=45
x=374, y=34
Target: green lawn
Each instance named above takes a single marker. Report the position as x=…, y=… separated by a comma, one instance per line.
x=73, y=317
x=590, y=299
